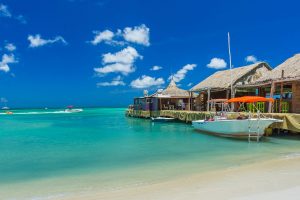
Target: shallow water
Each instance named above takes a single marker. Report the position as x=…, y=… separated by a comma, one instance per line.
x=61, y=153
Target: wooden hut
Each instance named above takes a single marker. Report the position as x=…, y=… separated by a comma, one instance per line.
x=171, y=98
x=218, y=85
x=283, y=84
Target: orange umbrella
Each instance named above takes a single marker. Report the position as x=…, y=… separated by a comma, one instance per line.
x=250, y=99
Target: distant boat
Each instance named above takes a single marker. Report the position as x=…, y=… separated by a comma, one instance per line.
x=162, y=119
x=9, y=113
x=5, y=108
x=71, y=109
x=242, y=127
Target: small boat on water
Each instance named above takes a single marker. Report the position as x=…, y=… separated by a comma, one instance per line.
x=71, y=109
x=162, y=119
x=9, y=113
x=244, y=127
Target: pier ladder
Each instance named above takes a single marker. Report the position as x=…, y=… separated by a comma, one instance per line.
x=254, y=127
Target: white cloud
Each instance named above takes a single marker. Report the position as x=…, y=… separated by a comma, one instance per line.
x=115, y=82
x=7, y=59
x=127, y=56
x=125, y=69
x=155, y=68
x=137, y=34
x=217, y=63
x=38, y=41
x=3, y=100
x=146, y=82
x=105, y=36
x=251, y=59
x=4, y=12
x=180, y=74
x=119, y=62
x=21, y=19
x=10, y=47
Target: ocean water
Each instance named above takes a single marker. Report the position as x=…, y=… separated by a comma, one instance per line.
x=51, y=154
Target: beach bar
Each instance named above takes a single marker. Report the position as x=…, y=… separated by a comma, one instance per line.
x=218, y=85
x=170, y=98
x=282, y=84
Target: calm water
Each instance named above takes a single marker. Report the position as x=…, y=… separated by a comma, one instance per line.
x=63, y=153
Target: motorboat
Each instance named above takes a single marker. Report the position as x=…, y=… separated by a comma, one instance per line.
x=71, y=109
x=251, y=126
x=240, y=128
x=9, y=113
x=162, y=119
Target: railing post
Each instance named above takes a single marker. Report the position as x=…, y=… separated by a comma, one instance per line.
x=271, y=96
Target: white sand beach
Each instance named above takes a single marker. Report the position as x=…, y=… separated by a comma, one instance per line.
x=276, y=179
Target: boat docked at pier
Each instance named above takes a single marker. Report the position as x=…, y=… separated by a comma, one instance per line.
x=244, y=126
x=162, y=119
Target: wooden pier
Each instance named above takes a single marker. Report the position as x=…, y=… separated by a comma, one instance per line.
x=291, y=121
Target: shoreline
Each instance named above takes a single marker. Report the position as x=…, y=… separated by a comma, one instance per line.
x=273, y=178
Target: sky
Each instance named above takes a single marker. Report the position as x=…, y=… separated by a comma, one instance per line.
x=55, y=53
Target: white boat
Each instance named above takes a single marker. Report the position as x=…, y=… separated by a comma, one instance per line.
x=238, y=128
x=162, y=119
x=249, y=127
x=73, y=110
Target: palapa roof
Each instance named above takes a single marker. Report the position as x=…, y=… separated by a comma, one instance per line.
x=172, y=91
x=222, y=79
x=290, y=69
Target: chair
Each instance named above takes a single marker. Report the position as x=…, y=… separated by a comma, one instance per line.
x=261, y=106
x=165, y=107
x=284, y=107
x=251, y=107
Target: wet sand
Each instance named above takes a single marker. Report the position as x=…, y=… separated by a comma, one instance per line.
x=276, y=179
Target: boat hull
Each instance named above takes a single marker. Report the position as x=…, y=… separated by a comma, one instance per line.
x=234, y=128
x=73, y=110
x=162, y=119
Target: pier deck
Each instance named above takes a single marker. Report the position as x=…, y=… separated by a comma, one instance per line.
x=291, y=121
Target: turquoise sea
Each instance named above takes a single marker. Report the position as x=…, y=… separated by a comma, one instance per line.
x=50, y=154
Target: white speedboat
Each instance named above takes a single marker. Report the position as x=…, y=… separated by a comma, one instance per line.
x=249, y=127
x=73, y=110
x=162, y=119
x=238, y=128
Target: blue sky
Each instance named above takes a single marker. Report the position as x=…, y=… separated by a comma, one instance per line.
x=104, y=52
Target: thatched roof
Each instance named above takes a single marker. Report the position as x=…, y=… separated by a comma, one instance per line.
x=222, y=79
x=290, y=69
x=172, y=91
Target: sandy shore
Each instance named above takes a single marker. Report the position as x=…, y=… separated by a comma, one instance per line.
x=277, y=179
